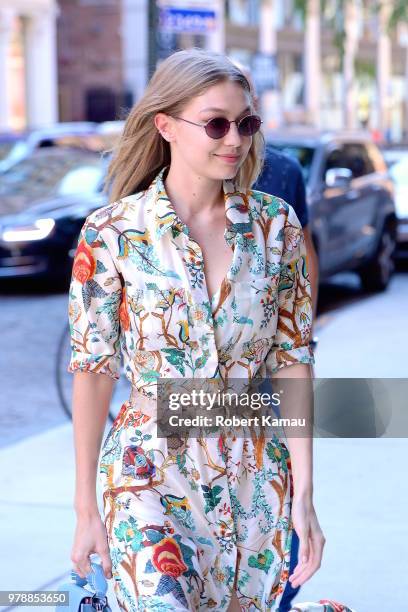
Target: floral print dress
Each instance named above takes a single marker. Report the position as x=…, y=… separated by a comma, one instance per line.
x=191, y=519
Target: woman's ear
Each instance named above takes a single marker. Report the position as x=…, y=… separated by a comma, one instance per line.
x=164, y=126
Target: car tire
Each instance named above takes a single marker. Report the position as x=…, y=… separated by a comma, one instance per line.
x=376, y=274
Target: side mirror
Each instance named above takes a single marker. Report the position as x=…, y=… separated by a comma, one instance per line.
x=338, y=177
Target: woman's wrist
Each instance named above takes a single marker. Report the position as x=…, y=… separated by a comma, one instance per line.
x=86, y=509
x=302, y=493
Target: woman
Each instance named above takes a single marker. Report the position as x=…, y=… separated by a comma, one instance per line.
x=190, y=274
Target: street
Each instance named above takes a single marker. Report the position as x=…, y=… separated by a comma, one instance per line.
x=360, y=493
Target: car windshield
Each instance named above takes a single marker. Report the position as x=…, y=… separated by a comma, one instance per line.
x=51, y=173
x=304, y=155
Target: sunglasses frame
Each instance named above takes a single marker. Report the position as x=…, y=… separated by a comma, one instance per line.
x=238, y=123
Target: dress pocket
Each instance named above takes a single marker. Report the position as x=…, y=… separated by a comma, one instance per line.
x=257, y=300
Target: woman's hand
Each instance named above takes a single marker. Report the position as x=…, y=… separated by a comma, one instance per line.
x=90, y=537
x=311, y=540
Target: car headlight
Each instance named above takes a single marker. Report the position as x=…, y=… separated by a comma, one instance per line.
x=41, y=228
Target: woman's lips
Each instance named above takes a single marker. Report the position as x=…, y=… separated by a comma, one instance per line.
x=231, y=159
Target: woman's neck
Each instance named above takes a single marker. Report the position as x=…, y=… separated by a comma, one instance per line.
x=191, y=194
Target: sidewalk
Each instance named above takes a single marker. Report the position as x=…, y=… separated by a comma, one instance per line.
x=37, y=520
x=361, y=497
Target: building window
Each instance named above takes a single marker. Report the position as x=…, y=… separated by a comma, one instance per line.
x=239, y=11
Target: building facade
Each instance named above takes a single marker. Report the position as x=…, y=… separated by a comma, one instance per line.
x=91, y=59
x=28, y=66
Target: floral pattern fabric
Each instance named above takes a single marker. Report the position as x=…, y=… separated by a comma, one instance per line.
x=191, y=519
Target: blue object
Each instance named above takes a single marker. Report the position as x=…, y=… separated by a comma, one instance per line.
x=282, y=176
x=290, y=592
x=82, y=599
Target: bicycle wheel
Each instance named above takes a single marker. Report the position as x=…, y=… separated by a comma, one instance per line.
x=121, y=389
x=63, y=378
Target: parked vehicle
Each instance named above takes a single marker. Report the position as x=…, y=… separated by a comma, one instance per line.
x=351, y=202
x=397, y=161
x=44, y=201
x=15, y=146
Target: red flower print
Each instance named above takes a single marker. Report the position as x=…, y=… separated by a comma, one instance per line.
x=167, y=558
x=242, y=208
x=124, y=312
x=84, y=265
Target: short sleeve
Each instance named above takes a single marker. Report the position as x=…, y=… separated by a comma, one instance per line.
x=291, y=341
x=93, y=306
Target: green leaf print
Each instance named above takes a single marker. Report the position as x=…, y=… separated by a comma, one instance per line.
x=176, y=357
x=128, y=532
x=276, y=453
x=286, y=346
x=150, y=375
x=181, y=460
x=86, y=296
x=280, y=235
x=95, y=289
x=149, y=568
x=202, y=360
x=243, y=579
x=211, y=497
x=273, y=208
x=100, y=267
x=90, y=235
x=263, y=560
x=154, y=536
x=187, y=552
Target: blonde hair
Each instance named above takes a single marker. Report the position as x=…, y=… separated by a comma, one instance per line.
x=141, y=151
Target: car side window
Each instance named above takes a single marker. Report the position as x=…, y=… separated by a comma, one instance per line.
x=336, y=159
x=353, y=156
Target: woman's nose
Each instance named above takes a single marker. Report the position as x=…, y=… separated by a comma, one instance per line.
x=232, y=137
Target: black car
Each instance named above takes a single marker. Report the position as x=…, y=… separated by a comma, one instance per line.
x=44, y=200
x=350, y=200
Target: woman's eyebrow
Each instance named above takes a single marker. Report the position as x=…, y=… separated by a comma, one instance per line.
x=214, y=109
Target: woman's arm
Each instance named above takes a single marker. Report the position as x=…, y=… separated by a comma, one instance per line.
x=297, y=402
x=90, y=406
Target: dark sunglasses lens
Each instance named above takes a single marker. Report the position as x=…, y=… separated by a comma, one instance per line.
x=217, y=128
x=249, y=125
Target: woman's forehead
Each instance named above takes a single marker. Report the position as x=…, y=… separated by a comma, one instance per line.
x=223, y=97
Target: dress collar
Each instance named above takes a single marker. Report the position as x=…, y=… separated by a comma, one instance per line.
x=237, y=211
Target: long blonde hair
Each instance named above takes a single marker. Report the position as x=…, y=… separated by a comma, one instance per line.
x=141, y=151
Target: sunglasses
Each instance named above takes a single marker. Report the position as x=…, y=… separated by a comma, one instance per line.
x=219, y=126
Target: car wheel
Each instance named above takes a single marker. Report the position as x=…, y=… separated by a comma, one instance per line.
x=376, y=274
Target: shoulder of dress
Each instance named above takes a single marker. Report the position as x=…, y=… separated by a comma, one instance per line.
x=116, y=211
x=267, y=204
